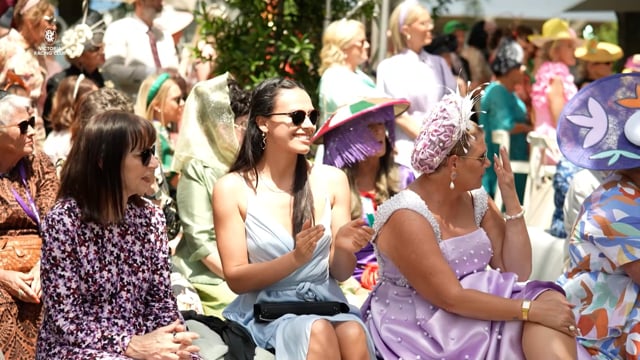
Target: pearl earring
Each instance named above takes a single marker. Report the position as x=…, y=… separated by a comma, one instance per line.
x=452, y=185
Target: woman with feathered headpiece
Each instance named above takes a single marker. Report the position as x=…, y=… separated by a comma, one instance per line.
x=453, y=269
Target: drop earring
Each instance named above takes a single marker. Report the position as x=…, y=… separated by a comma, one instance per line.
x=264, y=140
x=451, y=184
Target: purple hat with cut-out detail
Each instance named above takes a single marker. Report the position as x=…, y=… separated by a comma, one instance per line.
x=599, y=128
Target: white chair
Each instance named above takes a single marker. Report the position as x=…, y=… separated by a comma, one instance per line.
x=503, y=138
x=547, y=250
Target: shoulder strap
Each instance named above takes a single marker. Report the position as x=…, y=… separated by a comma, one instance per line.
x=480, y=204
x=407, y=200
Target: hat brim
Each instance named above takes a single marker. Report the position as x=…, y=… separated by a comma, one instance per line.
x=597, y=128
x=604, y=52
x=173, y=21
x=539, y=40
x=353, y=111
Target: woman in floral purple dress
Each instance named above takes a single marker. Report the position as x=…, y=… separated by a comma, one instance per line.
x=105, y=257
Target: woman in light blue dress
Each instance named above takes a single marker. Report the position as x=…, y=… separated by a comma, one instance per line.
x=284, y=231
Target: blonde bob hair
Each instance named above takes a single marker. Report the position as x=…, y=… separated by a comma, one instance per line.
x=406, y=13
x=336, y=37
x=157, y=101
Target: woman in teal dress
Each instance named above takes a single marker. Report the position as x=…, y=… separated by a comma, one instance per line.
x=503, y=110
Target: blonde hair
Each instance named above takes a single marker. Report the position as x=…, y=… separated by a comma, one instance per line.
x=410, y=13
x=147, y=112
x=335, y=38
x=33, y=14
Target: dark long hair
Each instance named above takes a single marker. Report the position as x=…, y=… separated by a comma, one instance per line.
x=92, y=173
x=262, y=103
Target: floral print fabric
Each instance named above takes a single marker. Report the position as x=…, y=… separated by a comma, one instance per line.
x=103, y=284
x=605, y=237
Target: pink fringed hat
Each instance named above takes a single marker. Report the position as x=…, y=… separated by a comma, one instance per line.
x=346, y=135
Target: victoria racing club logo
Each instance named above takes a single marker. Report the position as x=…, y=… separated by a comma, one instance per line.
x=49, y=47
x=50, y=36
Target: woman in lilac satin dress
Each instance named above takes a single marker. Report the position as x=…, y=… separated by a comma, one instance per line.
x=450, y=263
x=358, y=139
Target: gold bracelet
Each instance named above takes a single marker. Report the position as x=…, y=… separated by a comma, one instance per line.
x=514, y=217
x=526, y=306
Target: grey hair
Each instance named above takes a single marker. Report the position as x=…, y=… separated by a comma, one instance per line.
x=9, y=106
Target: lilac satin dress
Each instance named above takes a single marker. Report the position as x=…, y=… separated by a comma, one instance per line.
x=405, y=325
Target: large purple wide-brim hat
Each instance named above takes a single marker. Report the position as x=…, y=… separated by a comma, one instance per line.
x=346, y=135
x=599, y=128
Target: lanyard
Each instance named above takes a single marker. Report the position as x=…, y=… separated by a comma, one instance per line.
x=30, y=209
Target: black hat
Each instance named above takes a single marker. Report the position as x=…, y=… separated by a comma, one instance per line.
x=508, y=57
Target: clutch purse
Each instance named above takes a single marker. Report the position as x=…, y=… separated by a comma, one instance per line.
x=265, y=312
x=19, y=253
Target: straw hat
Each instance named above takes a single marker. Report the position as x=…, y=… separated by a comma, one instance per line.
x=346, y=136
x=598, y=51
x=554, y=29
x=599, y=128
x=172, y=20
x=632, y=64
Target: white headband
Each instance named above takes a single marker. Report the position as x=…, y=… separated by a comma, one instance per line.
x=29, y=5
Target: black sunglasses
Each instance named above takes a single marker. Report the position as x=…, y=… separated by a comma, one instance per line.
x=146, y=154
x=24, y=125
x=298, y=116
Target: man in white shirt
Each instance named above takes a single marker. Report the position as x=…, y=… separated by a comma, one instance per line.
x=129, y=48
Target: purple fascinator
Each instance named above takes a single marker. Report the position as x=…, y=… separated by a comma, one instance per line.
x=447, y=122
x=346, y=135
x=599, y=128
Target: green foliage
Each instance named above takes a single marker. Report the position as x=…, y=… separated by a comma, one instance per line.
x=257, y=39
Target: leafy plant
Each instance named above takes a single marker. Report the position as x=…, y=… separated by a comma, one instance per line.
x=257, y=39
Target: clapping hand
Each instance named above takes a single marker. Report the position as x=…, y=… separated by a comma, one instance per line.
x=306, y=242
x=354, y=235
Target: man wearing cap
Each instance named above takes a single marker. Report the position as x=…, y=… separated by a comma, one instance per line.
x=136, y=48
x=459, y=65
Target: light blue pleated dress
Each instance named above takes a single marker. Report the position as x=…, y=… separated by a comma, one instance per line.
x=289, y=335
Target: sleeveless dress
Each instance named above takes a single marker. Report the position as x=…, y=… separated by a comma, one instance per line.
x=405, y=325
x=288, y=335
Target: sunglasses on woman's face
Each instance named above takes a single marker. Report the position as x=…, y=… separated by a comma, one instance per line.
x=146, y=154
x=51, y=20
x=298, y=116
x=24, y=125
x=482, y=158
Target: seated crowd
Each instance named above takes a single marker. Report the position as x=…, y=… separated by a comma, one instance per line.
x=179, y=218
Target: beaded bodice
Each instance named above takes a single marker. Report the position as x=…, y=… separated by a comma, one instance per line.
x=465, y=254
